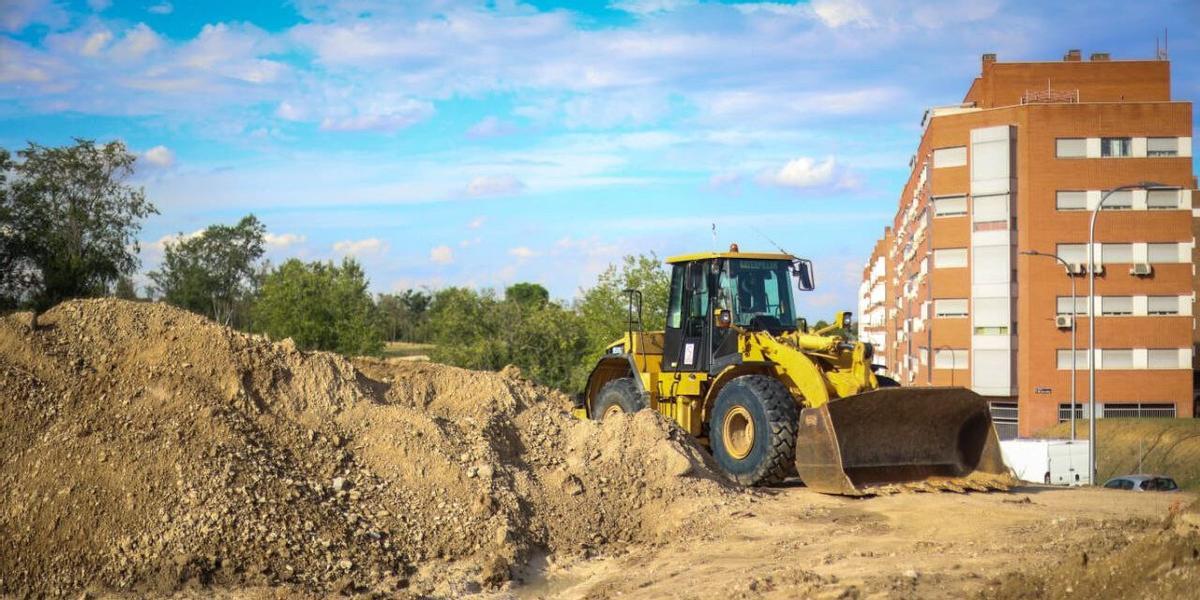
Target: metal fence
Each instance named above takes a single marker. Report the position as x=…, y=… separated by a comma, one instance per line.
x=1118, y=411
x=1128, y=411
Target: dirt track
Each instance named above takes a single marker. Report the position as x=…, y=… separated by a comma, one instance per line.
x=146, y=452
x=795, y=543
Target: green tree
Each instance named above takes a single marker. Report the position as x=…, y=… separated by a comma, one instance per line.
x=70, y=221
x=213, y=273
x=477, y=330
x=528, y=294
x=125, y=289
x=604, y=308
x=406, y=315
x=321, y=306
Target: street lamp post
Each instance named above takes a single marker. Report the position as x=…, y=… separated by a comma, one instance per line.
x=1091, y=267
x=1074, y=314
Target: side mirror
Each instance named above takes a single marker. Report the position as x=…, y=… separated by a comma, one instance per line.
x=802, y=325
x=802, y=269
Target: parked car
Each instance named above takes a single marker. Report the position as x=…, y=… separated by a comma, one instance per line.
x=1143, y=483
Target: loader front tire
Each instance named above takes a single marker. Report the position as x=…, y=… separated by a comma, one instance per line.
x=752, y=430
x=615, y=397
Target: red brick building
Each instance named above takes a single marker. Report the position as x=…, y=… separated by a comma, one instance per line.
x=948, y=297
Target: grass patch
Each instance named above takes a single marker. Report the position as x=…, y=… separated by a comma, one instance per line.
x=1160, y=446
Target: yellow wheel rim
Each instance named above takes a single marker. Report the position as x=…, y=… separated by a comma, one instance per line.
x=737, y=432
x=612, y=411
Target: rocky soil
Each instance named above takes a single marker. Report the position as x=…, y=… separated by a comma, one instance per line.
x=146, y=450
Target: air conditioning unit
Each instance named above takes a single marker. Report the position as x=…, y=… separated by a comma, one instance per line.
x=1062, y=321
x=1141, y=269
x=1076, y=268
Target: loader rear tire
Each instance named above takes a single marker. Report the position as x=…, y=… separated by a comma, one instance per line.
x=752, y=430
x=617, y=396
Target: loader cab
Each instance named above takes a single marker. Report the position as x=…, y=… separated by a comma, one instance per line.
x=713, y=296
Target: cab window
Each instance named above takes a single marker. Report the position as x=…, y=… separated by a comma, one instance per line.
x=675, y=307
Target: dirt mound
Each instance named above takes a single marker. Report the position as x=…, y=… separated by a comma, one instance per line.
x=1157, y=560
x=144, y=448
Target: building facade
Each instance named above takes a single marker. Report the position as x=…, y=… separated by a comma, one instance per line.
x=949, y=295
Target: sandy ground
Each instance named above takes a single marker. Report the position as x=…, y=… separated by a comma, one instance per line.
x=796, y=543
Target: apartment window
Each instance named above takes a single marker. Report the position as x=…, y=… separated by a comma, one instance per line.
x=1116, y=253
x=1116, y=305
x=1071, y=201
x=950, y=157
x=990, y=208
x=1064, y=359
x=950, y=307
x=1072, y=253
x=1162, y=146
x=1118, y=200
x=1162, y=305
x=992, y=330
x=946, y=258
x=1113, y=358
x=1112, y=147
x=1064, y=305
x=1165, y=358
x=1071, y=147
x=989, y=160
x=946, y=358
x=949, y=206
x=1162, y=199
x=1163, y=253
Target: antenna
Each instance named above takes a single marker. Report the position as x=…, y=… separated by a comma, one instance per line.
x=772, y=242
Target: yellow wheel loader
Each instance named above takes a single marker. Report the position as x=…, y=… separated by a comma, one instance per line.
x=770, y=398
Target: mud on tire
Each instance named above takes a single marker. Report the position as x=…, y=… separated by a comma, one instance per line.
x=619, y=393
x=768, y=453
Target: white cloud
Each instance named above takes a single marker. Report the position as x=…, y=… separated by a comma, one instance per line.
x=646, y=7
x=162, y=8
x=490, y=127
x=522, y=252
x=836, y=13
x=805, y=173
x=283, y=240
x=476, y=223
x=494, y=185
x=16, y=15
x=159, y=156
x=408, y=112
x=442, y=255
x=99, y=5
x=365, y=247
x=174, y=238
x=136, y=42
x=96, y=42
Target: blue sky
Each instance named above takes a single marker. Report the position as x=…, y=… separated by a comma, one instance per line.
x=463, y=143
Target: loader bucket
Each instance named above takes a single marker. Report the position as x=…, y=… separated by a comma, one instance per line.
x=900, y=438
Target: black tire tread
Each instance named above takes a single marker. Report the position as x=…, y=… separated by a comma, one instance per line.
x=623, y=386
x=783, y=416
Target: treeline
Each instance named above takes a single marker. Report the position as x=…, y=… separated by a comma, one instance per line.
x=69, y=220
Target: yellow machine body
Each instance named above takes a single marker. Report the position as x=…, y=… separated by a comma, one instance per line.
x=852, y=435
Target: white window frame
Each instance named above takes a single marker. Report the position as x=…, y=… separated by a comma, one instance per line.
x=1123, y=144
